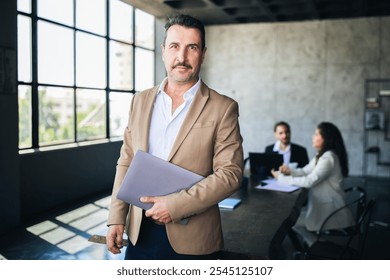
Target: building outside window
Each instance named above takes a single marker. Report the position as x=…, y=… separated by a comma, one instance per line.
x=79, y=64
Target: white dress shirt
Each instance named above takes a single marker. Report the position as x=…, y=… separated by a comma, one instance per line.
x=165, y=125
x=286, y=153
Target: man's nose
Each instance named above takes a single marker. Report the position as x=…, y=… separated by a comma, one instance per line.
x=181, y=55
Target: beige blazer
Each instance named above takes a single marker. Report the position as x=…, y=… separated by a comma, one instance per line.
x=209, y=143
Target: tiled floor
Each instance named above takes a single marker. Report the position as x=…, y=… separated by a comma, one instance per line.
x=64, y=235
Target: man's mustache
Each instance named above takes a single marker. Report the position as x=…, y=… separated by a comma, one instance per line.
x=183, y=64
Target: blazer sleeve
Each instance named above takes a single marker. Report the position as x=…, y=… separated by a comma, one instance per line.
x=311, y=174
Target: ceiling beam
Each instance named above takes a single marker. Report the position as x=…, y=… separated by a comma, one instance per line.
x=361, y=8
x=267, y=11
x=313, y=9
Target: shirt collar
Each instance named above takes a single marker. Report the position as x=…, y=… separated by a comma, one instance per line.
x=188, y=95
x=277, y=147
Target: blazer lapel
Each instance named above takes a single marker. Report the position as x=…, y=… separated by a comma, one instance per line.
x=200, y=100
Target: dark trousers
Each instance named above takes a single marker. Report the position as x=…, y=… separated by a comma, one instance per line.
x=153, y=244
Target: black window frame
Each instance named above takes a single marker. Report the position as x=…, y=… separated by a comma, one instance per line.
x=34, y=72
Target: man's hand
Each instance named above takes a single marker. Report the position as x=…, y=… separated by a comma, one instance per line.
x=284, y=169
x=114, y=238
x=274, y=173
x=159, y=211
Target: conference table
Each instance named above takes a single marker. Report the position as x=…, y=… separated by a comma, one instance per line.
x=249, y=228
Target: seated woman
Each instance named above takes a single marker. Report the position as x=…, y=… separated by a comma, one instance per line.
x=323, y=175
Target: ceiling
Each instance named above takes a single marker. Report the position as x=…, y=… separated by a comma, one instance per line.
x=249, y=11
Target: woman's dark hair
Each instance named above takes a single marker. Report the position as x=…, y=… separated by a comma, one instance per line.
x=186, y=21
x=333, y=141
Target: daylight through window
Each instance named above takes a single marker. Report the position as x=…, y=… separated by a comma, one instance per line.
x=79, y=64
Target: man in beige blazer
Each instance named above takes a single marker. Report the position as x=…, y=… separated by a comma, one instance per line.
x=187, y=123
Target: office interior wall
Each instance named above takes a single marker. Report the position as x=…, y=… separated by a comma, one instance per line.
x=303, y=73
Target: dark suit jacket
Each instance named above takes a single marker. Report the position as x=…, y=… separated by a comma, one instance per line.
x=298, y=154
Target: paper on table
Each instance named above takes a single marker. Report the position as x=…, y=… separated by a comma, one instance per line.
x=274, y=185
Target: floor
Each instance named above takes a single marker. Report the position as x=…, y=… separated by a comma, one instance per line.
x=64, y=235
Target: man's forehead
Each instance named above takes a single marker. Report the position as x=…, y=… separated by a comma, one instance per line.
x=177, y=31
x=281, y=128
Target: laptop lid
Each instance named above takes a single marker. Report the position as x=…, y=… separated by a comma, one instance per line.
x=261, y=164
x=148, y=175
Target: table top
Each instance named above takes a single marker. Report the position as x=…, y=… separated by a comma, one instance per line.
x=249, y=228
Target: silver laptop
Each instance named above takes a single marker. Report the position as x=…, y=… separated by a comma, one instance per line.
x=152, y=176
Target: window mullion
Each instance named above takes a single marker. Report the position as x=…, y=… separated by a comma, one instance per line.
x=107, y=69
x=134, y=36
x=34, y=84
x=74, y=73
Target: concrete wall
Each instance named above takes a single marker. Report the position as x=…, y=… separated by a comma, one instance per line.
x=303, y=73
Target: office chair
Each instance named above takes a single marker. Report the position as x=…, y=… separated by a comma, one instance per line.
x=339, y=244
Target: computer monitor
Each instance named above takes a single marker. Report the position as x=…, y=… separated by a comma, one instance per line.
x=261, y=164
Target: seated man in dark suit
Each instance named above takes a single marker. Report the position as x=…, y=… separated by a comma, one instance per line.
x=292, y=153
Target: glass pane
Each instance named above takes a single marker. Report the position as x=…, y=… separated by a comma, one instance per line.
x=56, y=115
x=91, y=114
x=59, y=10
x=25, y=113
x=90, y=60
x=121, y=21
x=55, y=54
x=144, y=69
x=144, y=29
x=121, y=66
x=24, y=6
x=24, y=49
x=91, y=16
x=119, y=112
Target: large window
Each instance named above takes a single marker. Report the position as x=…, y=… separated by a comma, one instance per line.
x=79, y=64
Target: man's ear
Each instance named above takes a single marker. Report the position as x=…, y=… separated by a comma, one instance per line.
x=203, y=54
x=162, y=51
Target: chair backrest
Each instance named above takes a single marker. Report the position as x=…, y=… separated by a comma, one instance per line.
x=359, y=195
x=356, y=201
x=357, y=232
